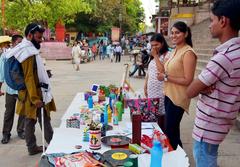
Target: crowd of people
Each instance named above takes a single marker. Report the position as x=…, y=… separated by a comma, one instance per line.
x=82, y=52
x=170, y=78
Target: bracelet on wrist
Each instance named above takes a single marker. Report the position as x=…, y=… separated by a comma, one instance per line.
x=165, y=77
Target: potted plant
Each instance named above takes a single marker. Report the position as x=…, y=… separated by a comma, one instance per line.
x=95, y=136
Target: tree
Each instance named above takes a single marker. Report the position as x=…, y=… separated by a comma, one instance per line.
x=134, y=15
x=101, y=19
x=21, y=12
x=85, y=15
x=105, y=15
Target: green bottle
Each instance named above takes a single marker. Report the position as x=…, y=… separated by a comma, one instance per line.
x=119, y=110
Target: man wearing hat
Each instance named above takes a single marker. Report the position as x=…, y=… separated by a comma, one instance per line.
x=10, y=101
x=4, y=43
x=38, y=89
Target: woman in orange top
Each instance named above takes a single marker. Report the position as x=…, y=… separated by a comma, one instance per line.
x=94, y=51
x=178, y=73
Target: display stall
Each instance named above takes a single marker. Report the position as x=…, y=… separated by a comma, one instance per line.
x=91, y=134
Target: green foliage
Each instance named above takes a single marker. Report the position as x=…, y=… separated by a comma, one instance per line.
x=134, y=15
x=94, y=126
x=21, y=12
x=105, y=15
x=84, y=15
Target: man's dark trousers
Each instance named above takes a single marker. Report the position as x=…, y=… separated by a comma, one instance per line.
x=118, y=56
x=9, y=116
x=30, y=130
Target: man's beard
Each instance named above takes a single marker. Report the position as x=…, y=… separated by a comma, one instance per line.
x=35, y=43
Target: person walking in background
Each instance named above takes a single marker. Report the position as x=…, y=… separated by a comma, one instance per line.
x=177, y=74
x=76, y=55
x=38, y=89
x=90, y=55
x=153, y=88
x=85, y=47
x=142, y=61
x=218, y=85
x=100, y=50
x=110, y=52
x=148, y=47
x=104, y=49
x=4, y=46
x=131, y=44
x=10, y=101
x=94, y=51
x=118, y=51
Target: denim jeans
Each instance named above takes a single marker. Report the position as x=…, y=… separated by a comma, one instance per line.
x=205, y=154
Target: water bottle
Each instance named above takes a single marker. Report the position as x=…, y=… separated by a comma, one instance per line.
x=102, y=118
x=105, y=113
x=110, y=102
x=109, y=114
x=119, y=107
x=90, y=102
x=115, y=116
x=156, y=154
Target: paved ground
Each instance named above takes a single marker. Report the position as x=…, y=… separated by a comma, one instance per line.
x=66, y=82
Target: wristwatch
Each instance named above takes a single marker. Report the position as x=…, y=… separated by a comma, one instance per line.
x=165, y=77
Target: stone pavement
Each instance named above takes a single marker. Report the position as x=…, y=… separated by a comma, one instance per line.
x=66, y=82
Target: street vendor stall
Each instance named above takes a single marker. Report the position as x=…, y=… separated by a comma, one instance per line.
x=69, y=140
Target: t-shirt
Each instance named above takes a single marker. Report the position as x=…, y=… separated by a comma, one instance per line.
x=217, y=112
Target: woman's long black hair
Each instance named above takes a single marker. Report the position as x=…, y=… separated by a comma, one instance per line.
x=160, y=38
x=182, y=27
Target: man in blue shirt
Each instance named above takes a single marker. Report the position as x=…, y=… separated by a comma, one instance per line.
x=11, y=97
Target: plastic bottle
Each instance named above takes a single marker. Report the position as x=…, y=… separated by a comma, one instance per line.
x=121, y=99
x=102, y=118
x=119, y=110
x=105, y=113
x=110, y=101
x=109, y=114
x=156, y=154
x=103, y=130
x=113, y=100
x=90, y=102
x=115, y=116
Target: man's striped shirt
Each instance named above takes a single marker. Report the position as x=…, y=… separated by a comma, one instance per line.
x=217, y=112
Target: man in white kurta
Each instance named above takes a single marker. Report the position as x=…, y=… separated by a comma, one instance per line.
x=76, y=55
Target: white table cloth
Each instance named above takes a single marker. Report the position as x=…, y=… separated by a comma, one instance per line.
x=65, y=139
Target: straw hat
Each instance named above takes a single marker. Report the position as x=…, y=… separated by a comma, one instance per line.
x=4, y=39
